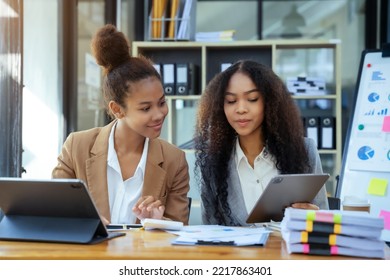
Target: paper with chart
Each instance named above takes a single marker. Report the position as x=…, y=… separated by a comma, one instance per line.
x=221, y=235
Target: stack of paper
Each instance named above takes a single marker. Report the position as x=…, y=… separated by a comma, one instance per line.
x=218, y=36
x=306, y=85
x=333, y=232
x=221, y=235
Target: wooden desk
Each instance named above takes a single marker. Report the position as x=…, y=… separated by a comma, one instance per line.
x=154, y=245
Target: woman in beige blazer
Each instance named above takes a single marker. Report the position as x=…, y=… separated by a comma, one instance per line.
x=130, y=173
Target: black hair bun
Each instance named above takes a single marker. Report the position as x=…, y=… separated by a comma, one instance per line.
x=110, y=47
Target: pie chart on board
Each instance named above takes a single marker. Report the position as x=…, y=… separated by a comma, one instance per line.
x=365, y=153
x=373, y=97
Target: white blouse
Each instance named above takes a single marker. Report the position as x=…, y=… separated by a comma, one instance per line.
x=123, y=194
x=254, y=180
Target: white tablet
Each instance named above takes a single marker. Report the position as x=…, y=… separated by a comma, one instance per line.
x=281, y=192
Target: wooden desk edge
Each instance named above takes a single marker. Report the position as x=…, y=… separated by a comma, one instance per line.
x=154, y=245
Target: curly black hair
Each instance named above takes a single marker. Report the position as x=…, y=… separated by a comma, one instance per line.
x=215, y=138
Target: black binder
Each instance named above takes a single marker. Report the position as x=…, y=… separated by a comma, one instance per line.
x=312, y=129
x=182, y=79
x=327, y=132
x=186, y=79
x=168, y=78
x=57, y=210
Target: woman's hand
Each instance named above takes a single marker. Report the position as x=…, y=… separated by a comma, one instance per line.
x=305, y=205
x=148, y=207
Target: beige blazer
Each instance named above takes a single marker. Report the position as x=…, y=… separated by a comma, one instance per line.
x=84, y=156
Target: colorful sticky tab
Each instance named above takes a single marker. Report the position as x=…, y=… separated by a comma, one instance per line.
x=337, y=228
x=386, y=124
x=337, y=218
x=310, y=215
x=334, y=250
x=319, y=216
x=304, y=237
x=377, y=186
x=324, y=217
x=306, y=248
x=386, y=215
x=309, y=226
x=332, y=239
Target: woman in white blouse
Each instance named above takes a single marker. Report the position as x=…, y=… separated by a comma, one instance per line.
x=248, y=130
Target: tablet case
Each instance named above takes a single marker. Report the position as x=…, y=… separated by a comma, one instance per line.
x=281, y=192
x=57, y=210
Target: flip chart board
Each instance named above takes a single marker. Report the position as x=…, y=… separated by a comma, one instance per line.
x=366, y=158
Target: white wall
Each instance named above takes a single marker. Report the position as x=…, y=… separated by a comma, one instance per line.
x=42, y=111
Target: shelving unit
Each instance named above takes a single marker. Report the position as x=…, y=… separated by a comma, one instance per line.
x=288, y=58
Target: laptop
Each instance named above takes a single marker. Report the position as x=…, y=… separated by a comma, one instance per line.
x=281, y=192
x=54, y=210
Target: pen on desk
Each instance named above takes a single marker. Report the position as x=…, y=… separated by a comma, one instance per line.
x=123, y=226
x=214, y=242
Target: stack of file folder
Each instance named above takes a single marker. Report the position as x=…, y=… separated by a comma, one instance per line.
x=333, y=232
x=217, y=36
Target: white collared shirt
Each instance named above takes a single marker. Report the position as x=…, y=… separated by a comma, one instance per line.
x=254, y=180
x=123, y=195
